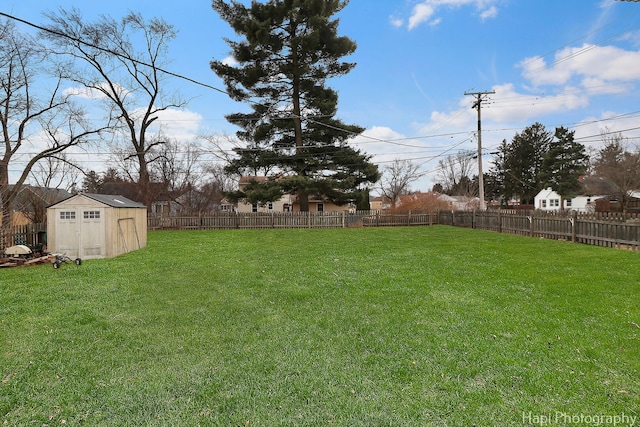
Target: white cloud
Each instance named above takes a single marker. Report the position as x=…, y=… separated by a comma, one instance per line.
x=631, y=36
x=606, y=63
x=396, y=22
x=178, y=124
x=509, y=105
x=386, y=145
x=421, y=13
x=90, y=93
x=492, y=12
x=425, y=12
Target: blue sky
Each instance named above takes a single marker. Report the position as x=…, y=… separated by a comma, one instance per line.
x=573, y=63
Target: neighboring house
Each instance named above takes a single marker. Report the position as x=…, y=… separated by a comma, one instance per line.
x=287, y=203
x=379, y=203
x=614, y=204
x=549, y=200
x=30, y=205
x=164, y=205
x=463, y=203
x=284, y=204
x=228, y=206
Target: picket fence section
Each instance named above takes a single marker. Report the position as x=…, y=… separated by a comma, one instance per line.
x=599, y=229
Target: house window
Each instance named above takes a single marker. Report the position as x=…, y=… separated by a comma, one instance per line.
x=554, y=202
x=254, y=207
x=544, y=203
x=67, y=215
x=91, y=214
x=320, y=207
x=569, y=203
x=270, y=206
x=286, y=207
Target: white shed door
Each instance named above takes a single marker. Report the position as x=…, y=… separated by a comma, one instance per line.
x=80, y=232
x=68, y=232
x=92, y=231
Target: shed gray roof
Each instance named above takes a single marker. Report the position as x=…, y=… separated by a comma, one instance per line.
x=115, y=201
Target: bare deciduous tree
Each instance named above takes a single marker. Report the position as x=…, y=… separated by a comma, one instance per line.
x=621, y=167
x=211, y=193
x=122, y=66
x=55, y=172
x=455, y=174
x=177, y=165
x=396, y=179
x=45, y=124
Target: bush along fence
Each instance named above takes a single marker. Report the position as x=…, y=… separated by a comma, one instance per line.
x=600, y=229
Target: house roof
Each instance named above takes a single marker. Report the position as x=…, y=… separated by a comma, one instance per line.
x=46, y=194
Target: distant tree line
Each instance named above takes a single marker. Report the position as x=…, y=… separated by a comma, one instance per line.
x=537, y=158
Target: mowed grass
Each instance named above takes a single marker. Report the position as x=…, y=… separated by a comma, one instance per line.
x=422, y=326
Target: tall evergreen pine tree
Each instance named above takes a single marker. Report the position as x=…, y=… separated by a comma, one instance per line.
x=286, y=52
x=563, y=164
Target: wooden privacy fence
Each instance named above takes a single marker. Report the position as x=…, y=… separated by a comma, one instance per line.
x=610, y=230
x=598, y=229
x=602, y=229
x=231, y=220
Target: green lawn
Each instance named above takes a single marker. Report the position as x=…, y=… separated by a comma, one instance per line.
x=421, y=326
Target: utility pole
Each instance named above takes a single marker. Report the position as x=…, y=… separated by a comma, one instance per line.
x=480, y=96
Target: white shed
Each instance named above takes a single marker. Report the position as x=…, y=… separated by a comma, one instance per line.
x=96, y=226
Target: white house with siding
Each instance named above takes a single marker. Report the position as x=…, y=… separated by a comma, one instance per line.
x=549, y=200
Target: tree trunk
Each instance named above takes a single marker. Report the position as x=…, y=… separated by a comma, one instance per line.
x=144, y=182
x=303, y=199
x=5, y=197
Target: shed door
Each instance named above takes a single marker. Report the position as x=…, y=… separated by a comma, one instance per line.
x=68, y=232
x=92, y=231
x=80, y=232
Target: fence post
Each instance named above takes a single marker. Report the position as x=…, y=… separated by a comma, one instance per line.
x=574, y=220
x=531, y=231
